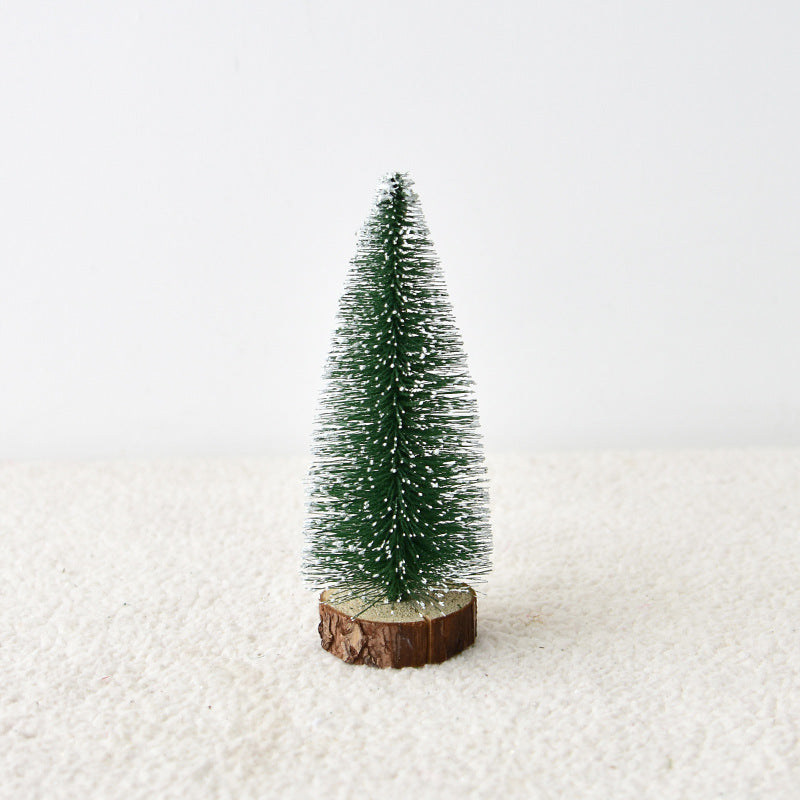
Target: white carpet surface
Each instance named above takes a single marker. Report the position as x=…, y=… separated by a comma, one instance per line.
x=638, y=638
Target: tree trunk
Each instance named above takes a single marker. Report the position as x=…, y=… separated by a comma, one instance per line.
x=379, y=643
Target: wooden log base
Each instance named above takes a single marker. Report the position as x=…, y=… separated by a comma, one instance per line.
x=397, y=634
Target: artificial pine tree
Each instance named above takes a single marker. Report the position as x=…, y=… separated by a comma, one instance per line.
x=397, y=514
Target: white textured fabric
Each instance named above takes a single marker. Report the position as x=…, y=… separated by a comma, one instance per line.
x=639, y=638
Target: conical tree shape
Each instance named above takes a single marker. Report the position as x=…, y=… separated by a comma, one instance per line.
x=397, y=505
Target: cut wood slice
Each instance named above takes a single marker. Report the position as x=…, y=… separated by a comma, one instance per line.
x=398, y=634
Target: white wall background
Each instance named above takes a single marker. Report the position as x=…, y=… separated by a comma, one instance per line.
x=613, y=189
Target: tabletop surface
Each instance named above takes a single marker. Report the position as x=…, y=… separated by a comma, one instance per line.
x=638, y=637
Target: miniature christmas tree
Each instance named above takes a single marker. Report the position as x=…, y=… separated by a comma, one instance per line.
x=398, y=508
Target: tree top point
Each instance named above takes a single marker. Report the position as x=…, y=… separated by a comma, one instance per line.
x=392, y=182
